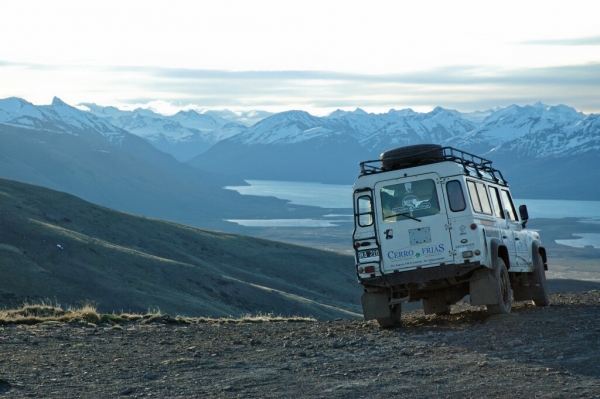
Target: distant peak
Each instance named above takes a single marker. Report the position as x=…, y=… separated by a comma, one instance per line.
x=13, y=104
x=401, y=112
x=337, y=114
x=188, y=112
x=57, y=102
x=437, y=110
x=293, y=113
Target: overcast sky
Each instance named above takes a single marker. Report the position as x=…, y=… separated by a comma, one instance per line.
x=316, y=56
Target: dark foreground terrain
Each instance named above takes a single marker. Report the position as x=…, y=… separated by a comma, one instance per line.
x=551, y=352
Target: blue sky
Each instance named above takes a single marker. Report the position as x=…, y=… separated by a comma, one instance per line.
x=316, y=56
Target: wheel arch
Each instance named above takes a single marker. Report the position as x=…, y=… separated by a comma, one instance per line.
x=537, y=248
x=499, y=250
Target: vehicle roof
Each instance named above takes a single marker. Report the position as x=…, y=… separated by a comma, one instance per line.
x=448, y=162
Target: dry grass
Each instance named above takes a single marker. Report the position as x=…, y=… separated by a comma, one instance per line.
x=31, y=314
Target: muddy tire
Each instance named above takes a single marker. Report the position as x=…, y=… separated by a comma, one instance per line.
x=540, y=295
x=394, y=319
x=404, y=157
x=503, y=290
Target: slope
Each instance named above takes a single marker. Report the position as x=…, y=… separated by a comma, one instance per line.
x=58, y=247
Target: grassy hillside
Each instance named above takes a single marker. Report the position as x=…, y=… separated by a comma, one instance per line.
x=59, y=248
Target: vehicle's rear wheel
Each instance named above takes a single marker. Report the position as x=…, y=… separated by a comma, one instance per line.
x=540, y=296
x=503, y=291
x=410, y=155
x=394, y=319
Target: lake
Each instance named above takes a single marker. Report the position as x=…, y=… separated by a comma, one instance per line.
x=340, y=196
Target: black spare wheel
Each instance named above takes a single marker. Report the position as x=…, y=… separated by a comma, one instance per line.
x=411, y=155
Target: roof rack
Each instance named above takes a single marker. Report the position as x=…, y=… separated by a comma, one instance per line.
x=472, y=164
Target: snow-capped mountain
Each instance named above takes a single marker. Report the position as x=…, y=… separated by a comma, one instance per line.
x=362, y=124
x=183, y=135
x=371, y=130
x=528, y=142
x=295, y=145
x=532, y=130
x=574, y=136
x=57, y=117
x=511, y=124
x=406, y=128
x=292, y=145
x=288, y=127
x=329, y=148
x=246, y=118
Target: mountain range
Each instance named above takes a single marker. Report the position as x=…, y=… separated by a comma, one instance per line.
x=546, y=152
x=140, y=161
x=63, y=148
x=183, y=135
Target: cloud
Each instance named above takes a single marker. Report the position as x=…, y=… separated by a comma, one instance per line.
x=465, y=87
x=578, y=41
x=471, y=75
x=461, y=87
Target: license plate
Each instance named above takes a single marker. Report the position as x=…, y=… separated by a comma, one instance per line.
x=369, y=253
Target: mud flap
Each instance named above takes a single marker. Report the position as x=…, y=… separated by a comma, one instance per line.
x=523, y=293
x=376, y=305
x=482, y=288
x=435, y=304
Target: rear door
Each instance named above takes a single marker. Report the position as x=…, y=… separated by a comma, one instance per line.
x=367, y=254
x=412, y=223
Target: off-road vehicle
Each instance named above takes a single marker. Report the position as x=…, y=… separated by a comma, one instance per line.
x=436, y=224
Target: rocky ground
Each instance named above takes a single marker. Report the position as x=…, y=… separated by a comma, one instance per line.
x=551, y=352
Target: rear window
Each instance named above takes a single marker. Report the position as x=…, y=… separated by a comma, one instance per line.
x=456, y=197
x=364, y=206
x=409, y=200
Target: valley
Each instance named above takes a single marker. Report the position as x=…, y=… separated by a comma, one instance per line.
x=85, y=242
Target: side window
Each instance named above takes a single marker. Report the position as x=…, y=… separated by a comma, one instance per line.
x=364, y=206
x=479, y=197
x=495, y=196
x=509, y=206
x=456, y=197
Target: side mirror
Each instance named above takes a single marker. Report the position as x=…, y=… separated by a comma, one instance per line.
x=524, y=215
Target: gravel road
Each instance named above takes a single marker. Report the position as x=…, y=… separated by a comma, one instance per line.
x=551, y=352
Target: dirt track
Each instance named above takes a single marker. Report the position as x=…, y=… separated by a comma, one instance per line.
x=549, y=352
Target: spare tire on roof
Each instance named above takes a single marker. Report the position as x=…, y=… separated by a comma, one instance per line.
x=411, y=155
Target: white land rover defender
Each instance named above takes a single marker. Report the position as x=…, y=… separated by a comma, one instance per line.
x=435, y=224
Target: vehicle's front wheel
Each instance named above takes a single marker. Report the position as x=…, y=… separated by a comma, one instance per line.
x=502, y=290
x=394, y=319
